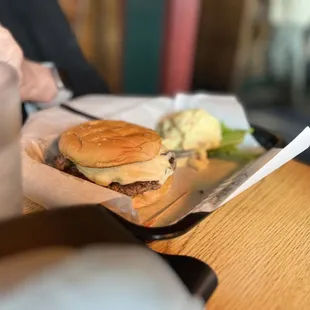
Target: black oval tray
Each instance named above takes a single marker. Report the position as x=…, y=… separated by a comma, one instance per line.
x=83, y=225
x=267, y=140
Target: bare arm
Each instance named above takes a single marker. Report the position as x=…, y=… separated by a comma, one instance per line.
x=37, y=82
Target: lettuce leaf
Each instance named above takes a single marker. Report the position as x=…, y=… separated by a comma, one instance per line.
x=233, y=154
x=231, y=138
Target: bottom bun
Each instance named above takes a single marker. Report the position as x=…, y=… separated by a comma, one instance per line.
x=150, y=197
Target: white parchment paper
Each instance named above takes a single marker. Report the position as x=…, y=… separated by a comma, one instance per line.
x=52, y=188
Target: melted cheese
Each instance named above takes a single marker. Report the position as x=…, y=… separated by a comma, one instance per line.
x=202, y=154
x=157, y=169
x=197, y=164
x=198, y=161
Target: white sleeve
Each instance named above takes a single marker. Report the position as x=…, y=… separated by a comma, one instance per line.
x=100, y=277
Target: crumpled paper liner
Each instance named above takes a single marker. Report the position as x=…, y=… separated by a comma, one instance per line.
x=191, y=191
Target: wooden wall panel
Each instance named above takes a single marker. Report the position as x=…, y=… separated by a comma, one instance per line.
x=98, y=26
x=109, y=34
x=217, y=42
x=80, y=14
x=232, y=43
x=250, y=56
x=70, y=8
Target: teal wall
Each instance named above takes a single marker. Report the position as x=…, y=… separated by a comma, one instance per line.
x=143, y=43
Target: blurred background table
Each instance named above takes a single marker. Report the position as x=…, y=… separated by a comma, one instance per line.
x=258, y=244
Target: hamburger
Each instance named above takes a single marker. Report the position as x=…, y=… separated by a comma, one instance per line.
x=123, y=157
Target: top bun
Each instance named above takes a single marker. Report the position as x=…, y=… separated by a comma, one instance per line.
x=107, y=143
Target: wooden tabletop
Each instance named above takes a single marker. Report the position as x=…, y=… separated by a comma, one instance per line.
x=258, y=244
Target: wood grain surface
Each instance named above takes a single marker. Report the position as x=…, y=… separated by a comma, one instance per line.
x=258, y=244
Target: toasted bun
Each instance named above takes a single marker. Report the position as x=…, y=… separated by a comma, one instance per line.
x=107, y=143
x=150, y=197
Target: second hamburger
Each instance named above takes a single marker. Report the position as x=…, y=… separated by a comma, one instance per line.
x=124, y=157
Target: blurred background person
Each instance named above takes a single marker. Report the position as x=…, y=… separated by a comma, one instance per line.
x=256, y=49
x=36, y=81
x=44, y=35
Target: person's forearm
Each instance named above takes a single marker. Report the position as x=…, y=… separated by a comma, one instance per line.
x=10, y=51
x=37, y=84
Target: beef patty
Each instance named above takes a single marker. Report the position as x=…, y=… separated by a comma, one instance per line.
x=136, y=188
x=132, y=189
